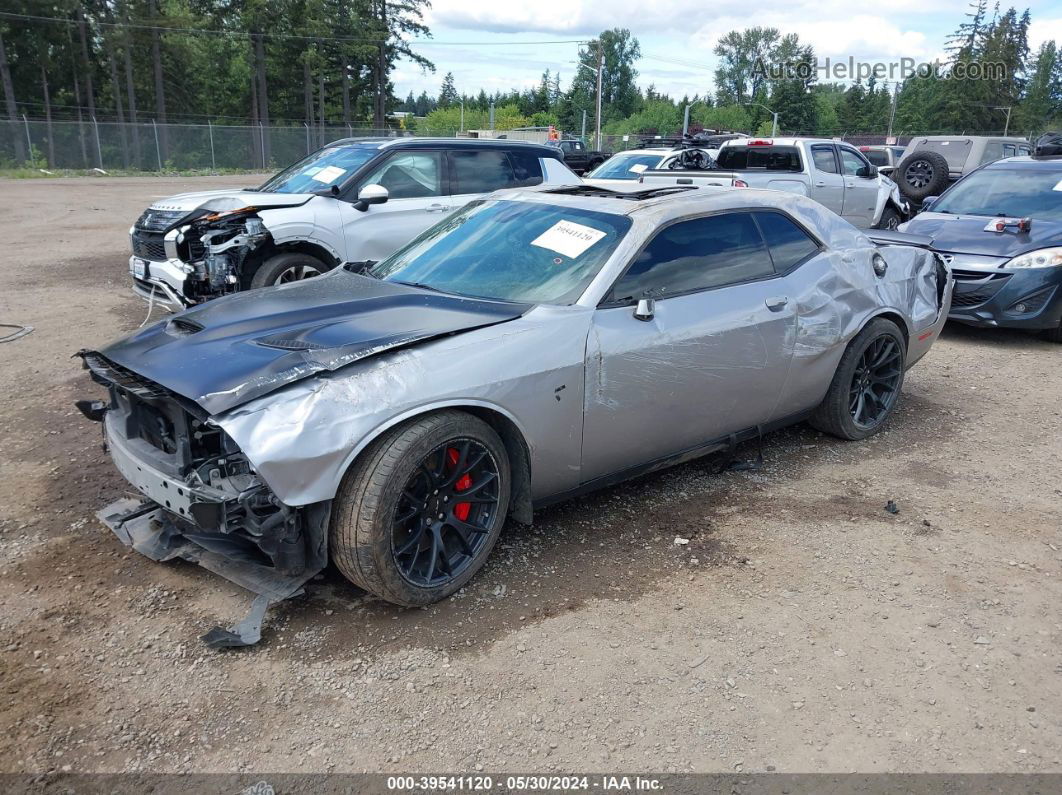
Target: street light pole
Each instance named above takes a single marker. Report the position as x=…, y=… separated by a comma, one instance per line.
x=774, y=116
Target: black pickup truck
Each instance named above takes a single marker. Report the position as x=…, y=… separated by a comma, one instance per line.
x=577, y=157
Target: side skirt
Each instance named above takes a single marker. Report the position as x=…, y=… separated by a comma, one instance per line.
x=683, y=456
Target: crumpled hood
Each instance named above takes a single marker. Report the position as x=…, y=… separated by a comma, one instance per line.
x=222, y=200
x=964, y=234
x=242, y=346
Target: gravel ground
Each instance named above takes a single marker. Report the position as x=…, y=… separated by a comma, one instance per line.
x=802, y=628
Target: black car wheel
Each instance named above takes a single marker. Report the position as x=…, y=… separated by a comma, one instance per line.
x=866, y=385
x=420, y=511
x=292, y=266
x=922, y=174
x=1054, y=334
x=890, y=219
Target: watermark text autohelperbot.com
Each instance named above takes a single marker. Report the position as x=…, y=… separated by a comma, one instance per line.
x=846, y=69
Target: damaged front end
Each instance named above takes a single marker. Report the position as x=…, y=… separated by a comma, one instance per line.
x=195, y=250
x=201, y=499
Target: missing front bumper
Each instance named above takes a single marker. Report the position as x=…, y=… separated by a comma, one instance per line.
x=146, y=527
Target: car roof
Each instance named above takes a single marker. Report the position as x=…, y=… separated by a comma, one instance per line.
x=410, y=142
x=1027, y=161
x=778, y=141
x=1009, y=138
x=662, y=152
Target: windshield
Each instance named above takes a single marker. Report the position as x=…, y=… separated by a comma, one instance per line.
x=329, y=166
x=509, y=251
x=625, y=166
x=1013, y=192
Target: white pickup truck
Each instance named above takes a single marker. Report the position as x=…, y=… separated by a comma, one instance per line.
x=833, y=173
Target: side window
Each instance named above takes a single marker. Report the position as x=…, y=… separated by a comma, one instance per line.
x=788, y=243
x=695, y=255
x=527, y=169
x=578, y=146
x=1009, y=150
x=993, y=152
x=409, y=175
x=851, y=162
x=824, y=159
x=1024, y=150
x=482, y=170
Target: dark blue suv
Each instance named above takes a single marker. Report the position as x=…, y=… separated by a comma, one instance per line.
x=1000, y=229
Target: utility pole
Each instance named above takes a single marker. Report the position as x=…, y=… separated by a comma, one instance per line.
x=1008, y=109
x=582, y=135
x=892, y=110
x=462, y=114
x=492, y=115
x=600, y=68
x=686, y=122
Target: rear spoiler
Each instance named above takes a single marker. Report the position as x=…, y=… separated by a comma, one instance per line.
x=884, y=237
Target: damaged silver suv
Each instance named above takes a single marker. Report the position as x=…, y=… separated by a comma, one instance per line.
x=533, y=346
x=355, y=199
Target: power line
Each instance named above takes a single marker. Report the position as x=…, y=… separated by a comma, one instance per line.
x=277, y=36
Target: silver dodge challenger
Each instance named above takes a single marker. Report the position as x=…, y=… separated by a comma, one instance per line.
x=389, y=416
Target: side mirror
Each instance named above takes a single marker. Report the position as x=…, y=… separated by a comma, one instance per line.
x=369, y=195
x=927, y=202
x=645, y=309
x=867, y=171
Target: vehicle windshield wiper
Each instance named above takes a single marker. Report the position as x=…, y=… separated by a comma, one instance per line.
x=362, y=268
x=422, y=286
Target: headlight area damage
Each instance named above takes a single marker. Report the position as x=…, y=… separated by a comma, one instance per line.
x=218, y=244
x=204, y=503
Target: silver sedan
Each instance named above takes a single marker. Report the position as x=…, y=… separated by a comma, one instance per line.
x=390, y=416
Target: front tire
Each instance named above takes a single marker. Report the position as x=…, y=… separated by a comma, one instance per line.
x=1054, y=334
x=866, y=384
x=290, y=266
x=419, y=512
x=890, y=219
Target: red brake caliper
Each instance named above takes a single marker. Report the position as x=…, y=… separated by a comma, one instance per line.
x=461, y=509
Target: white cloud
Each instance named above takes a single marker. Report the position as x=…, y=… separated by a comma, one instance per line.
x=1042, y=30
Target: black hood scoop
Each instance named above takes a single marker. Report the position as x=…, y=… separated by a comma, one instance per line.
x=234, y=349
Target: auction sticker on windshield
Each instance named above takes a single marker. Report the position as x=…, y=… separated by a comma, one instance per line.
x=568, y=238
x=329, y=174
x=638, y=168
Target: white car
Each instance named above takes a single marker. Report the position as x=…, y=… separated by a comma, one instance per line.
x=354, y=200
x=623, y=169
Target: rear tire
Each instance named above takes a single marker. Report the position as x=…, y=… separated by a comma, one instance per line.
x=922, y=173
x=290, y=266
x=397, y=539
x=863, y=392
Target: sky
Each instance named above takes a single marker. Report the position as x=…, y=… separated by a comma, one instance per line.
x=501, y=45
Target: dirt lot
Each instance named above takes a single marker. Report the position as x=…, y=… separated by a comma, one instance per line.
x=803, y=628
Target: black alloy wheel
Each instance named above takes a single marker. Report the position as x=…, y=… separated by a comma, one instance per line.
x=445, y=513
x=876, y=382
x=919, y=173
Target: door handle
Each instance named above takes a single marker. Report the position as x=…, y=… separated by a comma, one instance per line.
x=437, y=208
x=820, y=184
x=776, y=302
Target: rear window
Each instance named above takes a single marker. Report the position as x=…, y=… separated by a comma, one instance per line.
x=769, y=158
x=788, y=243
x=954, y=150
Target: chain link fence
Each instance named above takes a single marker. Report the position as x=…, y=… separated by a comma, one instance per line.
x=113, y=146
x=151, y=147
